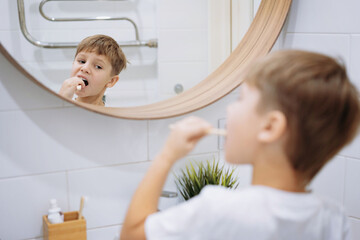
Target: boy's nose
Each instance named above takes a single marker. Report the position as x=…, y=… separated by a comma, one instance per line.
x=85, y=69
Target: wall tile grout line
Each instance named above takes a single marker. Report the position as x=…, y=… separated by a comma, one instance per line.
x=107, y=166
x=347, y=156
x=105, y=226
x=71, y=170
x=31, y=175
x=68, y=190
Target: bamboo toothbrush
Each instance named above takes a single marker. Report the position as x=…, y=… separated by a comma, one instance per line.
x=214, y=131
x=82, y=202
x=217, y=131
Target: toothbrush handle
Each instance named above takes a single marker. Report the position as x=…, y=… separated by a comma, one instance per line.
x=81, y=207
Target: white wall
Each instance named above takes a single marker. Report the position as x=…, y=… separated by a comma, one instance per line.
x=49, y=149
x=183, y=39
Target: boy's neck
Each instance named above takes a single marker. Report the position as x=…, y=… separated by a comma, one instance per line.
x=277, y=172
x=95, y=100
x=91, y=100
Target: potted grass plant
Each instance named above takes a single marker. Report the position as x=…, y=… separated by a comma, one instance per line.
x=192, y=179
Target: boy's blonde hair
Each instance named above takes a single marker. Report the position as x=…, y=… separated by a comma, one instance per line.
x=107, y=46
x=321, y=105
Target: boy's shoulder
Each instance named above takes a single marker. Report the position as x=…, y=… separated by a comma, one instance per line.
x=252, y=190
x=333, y=207
x=243, y=210
x=270, y=197
x=268, y=204
x=251, y=196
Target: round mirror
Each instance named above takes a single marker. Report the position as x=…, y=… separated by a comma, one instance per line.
x=167, y=63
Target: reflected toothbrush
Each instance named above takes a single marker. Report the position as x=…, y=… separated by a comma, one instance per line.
x=79, y=87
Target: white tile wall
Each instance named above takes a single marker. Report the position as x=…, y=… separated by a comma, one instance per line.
x=108, y=233
x=47, y=150
x=183, y=45
x=331, y=179
x=183, y=41
x=353, y=149
x=191, y=74
x=323, y=16
x=182, y=14
x=336, y=45
x=355, y=227
x=352, y=193
x=9, y=87
x=25, y=200
x=36, y=141
x=7, y=16
x=109, y=191
x=355, y=59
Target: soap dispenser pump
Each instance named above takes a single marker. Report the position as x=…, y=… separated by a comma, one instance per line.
x=55, y=215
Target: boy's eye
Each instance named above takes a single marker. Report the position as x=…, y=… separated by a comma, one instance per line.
x=81, y=61
x=98, y=67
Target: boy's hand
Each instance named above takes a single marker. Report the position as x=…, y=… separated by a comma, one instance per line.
x=184, y=136
x=68, y=88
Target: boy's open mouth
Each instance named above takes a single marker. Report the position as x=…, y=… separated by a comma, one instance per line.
x=85, y=81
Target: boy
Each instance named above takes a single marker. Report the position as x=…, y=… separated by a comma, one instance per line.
x=296, y=110
x=97, y=64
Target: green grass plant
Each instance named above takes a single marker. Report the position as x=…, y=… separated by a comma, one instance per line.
x=192, y=179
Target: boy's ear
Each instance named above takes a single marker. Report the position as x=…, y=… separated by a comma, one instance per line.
x=272, y=127
x=113, y=81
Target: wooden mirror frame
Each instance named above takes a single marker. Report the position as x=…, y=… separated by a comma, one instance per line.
x=257, y=42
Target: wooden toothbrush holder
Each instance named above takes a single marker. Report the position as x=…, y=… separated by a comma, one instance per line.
x=71, y=229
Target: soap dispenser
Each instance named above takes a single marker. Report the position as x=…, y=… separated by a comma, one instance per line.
x=55, y=215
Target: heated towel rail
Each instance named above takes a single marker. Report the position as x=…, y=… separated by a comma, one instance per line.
x=21, y=11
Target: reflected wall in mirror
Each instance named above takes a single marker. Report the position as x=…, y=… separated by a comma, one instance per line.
x=194, y=37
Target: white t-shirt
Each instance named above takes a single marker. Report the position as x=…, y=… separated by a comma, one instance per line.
x=257, y=212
